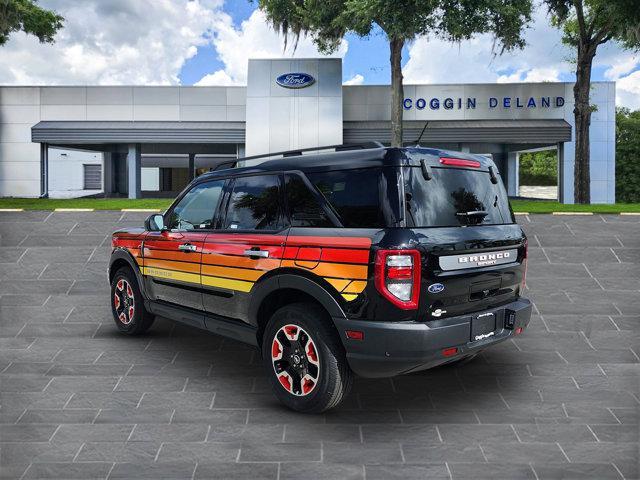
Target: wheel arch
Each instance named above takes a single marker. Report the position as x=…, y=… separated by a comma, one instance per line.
x=286, y=288
x=121, y=257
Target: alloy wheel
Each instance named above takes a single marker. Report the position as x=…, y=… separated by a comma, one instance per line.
x=295, y=360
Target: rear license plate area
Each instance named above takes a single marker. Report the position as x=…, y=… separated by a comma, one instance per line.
x=483, y=326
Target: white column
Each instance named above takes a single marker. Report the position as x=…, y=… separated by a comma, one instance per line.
x=133, y=170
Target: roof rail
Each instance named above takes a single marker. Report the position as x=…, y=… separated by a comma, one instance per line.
x=300, y=151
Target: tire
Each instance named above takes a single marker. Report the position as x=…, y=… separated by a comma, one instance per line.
x=319, y=378
x=127, y=304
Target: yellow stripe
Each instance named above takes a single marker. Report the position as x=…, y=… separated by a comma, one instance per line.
x=348, y=296
x=230, y=272
x=337, y=283
x=168, y=274
x=355, y=287
x=227, y=283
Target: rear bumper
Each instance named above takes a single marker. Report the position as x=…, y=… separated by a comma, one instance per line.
x=394, y=348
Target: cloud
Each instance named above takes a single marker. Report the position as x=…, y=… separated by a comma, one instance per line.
x=628, y=91
x=545, y=58
x=253, y=39
x=531, y=75
x=436, y=61
x=114, y=42
x=357, y=79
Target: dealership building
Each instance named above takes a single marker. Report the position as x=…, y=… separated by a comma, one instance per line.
x=150, y=141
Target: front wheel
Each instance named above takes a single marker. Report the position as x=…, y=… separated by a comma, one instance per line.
x=305, y=360
x=127, y=304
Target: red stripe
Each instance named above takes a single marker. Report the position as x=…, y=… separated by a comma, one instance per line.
x=354, y=242
x=238, y=249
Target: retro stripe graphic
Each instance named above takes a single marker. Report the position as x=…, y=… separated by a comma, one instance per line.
x=341, y=261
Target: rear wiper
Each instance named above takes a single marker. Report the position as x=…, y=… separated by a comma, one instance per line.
x=475, y=213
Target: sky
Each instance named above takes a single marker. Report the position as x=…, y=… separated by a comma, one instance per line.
x=208, y=42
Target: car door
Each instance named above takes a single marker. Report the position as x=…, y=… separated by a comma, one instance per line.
x=248, y=244
x=172, y=257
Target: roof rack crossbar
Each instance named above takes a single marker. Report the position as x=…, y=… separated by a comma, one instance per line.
x=338, y=148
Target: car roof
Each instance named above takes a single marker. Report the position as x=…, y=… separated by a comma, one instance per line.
x=348, y=159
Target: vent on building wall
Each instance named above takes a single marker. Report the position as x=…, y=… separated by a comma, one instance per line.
x=92, y=177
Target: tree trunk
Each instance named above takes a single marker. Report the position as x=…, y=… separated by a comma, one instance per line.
x=582, y=115
x=397, y=90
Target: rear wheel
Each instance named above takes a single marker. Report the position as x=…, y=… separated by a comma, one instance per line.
x=304, y=359
x=127, y=304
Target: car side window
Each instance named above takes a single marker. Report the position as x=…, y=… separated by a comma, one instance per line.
x=304, y=208
x=254, y=204
x=195, y=211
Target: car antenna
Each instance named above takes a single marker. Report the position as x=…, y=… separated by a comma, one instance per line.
x=421, y=133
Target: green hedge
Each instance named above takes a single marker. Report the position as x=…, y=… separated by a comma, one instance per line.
x=539, y=168
x=627, y=156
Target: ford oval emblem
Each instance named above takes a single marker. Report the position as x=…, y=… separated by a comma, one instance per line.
x=295, y=80
x=436, y=288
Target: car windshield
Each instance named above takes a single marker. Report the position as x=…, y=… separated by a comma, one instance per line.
x=454, y=197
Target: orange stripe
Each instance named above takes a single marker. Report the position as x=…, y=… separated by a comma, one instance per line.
x=179, y=266
x=235, y=273
x=171, y=255
x=334, y=269
x=246, y=262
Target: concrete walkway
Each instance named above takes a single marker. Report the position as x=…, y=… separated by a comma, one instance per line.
x=80, y=401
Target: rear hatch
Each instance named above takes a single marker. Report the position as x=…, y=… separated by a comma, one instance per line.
x=473, y=252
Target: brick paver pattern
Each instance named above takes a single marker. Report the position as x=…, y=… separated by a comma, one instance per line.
x=78, y=400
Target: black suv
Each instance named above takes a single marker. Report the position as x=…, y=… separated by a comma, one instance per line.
x=379, y=261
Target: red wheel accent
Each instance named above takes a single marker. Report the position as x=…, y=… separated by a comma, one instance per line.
x=291, y=331
x=295, y=360
x=120, y=285
x=131, y=312
x=285, y=380
x=129, y=291
x=276, y=350
x=307, y=385
x=116, y=301
x=311, y=352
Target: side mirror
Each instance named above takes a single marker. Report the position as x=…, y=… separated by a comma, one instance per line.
x=154, y=223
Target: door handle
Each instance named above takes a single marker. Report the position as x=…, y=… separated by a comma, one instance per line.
x=256, y=253
x=187, y=247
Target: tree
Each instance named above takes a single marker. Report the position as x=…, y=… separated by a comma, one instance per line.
x=587, y=24
x=28, y=17
x=627, y=155
x=327, y=22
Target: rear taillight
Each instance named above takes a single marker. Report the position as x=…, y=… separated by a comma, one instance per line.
x=397, y=277
x=459, y=162
x=524, y=263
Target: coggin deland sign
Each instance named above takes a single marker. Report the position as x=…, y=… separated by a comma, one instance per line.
x=469, y=103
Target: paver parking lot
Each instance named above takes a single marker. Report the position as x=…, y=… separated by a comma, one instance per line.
x=78, y=400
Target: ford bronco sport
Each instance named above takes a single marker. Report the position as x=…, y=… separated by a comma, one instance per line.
x=374, y=261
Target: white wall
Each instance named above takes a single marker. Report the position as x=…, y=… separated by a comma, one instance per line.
x=280, y=118
x=150, y=179
x=66, y=171
x=23, y=107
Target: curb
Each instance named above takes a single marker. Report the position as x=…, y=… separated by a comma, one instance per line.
x=571, y=213
x=73, y=209
x=521, y=213
x=140, y=210
x=630, y=213
x=11, y=209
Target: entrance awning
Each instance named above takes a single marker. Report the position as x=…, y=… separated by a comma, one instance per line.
x=467, y=131
x=59, y=132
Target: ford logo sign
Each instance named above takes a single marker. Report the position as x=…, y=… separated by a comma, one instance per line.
x=436, y=288
x=295, y=80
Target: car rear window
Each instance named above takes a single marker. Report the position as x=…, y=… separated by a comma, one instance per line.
x=454, y=197
x=361, y=198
